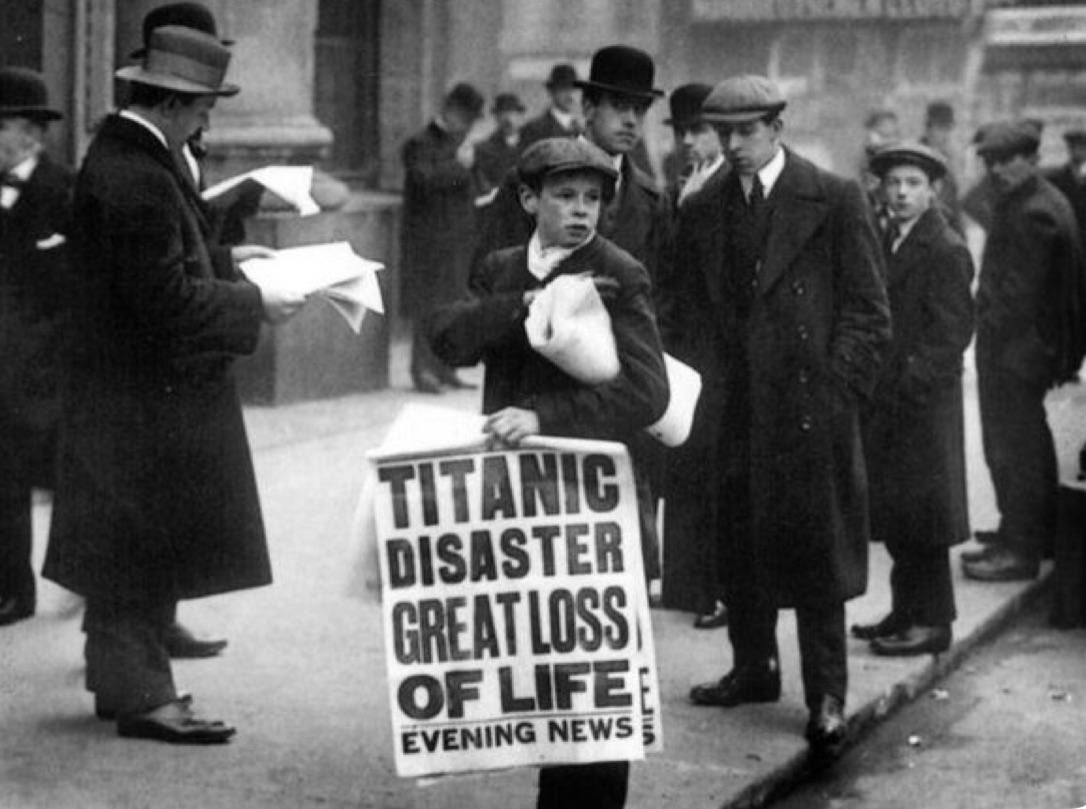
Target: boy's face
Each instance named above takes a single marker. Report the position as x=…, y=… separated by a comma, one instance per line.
x=908, y=191
x=566, y=209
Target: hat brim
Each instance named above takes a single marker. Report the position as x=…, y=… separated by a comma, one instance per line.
x=139, y=53
x=881, y=164
x=33, y=113
x=741, y=116
x=647, y=95
x=140, y=75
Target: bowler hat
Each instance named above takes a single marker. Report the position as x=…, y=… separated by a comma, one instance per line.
x=623, y=70
x=184, y=60
x=23, y=94
x=504, y=102
x=562, y=75
x=940, y=113
x=1076, y=134
x=558, y=155
x=740, y=99
x=685, y=103
x=909, y=153
x=467, y=98
x=187, y=15
x=1006, y=139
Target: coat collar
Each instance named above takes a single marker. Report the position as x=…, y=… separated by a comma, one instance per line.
x=798, y=204
x=915, y=244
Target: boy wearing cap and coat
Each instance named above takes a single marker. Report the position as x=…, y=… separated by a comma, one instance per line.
x=156, y=499
x=783, y=311
x=615, y=98
x=913, y=428
x=1031, y=336
x=35, y=194
x=437, y=224
x=564, y=184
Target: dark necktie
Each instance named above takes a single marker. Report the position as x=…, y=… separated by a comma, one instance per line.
x=756, y=199
x=890, y=237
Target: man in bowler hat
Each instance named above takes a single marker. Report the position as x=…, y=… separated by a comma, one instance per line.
x=783, y=310
x=438, y=224
x=34, y=198
x=156, y=499
x=615, y=97
x=698, y=151
x=914, y=427
x=497, y=155
x=559, y=120
x=1031, y=336
x=1070, y=178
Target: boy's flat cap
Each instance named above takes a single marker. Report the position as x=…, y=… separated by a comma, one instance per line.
x=909, y=153
x=742, y=98
x=558, y=155
x=1008, y=138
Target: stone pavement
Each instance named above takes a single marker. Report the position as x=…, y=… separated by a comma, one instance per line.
x=303, y=676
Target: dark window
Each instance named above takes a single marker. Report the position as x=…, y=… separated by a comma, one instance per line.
x=347, y=79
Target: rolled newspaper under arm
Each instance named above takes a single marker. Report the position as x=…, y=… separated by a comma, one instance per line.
x=568, y=324
x=684, y=384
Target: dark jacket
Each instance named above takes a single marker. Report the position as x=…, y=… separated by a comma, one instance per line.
x=494, y=158
x=1074, y=188
x=488, y=326
x=637, y=220
x=33, y=279
x=438, y=221
x=1031, y=301
x=544, y=126
x=155, y=492
x=818, y=323
x=914, y=434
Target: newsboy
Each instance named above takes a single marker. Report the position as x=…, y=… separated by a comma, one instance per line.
x=34, y=199
x=913, y=429
x=783, y=310
x=156, y=499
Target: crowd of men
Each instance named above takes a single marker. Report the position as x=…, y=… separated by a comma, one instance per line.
x=828, y=319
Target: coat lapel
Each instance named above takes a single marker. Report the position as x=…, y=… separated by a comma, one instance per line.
x=798, y=205
x=912, y=249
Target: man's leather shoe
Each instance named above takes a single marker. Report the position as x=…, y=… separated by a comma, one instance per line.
x=175, y=723
x=916, y=640
x=107, y=713
x=181, y=643
x=889, y=625
x=739, y=686
x=426, y=382
x=1002, y=564
x=15, y=608
x=714, y=619
x=826, y=728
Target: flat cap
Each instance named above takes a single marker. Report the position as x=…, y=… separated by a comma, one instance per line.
x=742, y=98
x=1008, y=138
x=909, y=153
x=559, y=155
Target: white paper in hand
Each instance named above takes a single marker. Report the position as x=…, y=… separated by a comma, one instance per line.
x=568, y=324
x=292, y=183
x=684, y=384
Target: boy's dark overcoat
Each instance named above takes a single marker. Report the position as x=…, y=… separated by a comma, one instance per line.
x=818, y=323
x=914, y=434
x=156, y=497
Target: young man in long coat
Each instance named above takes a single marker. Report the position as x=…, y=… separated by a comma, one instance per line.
x=35, y=194
x=913, y=429
x=1031, y=335
x=438, y=224
x=156, y=499
x=783, y=308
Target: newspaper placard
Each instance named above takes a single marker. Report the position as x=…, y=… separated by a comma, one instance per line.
x=514, y=607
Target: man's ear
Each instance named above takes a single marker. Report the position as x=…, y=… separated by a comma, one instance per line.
x=529, y=199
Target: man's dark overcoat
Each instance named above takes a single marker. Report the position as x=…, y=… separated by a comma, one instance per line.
x=489, y=327
x=156, y=497
x=637, y=220
x=544, y=126
x=494, y=158
x=914, y=434
x=33, y=275
x=818, y=321
x=1067, y=180
x=438, y=221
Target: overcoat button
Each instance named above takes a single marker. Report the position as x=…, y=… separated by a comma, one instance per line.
x=799, y=288
x=805, y=424
x=804, y=377
x=802, y=332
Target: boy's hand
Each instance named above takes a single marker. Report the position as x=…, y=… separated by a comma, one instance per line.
x=511, y=425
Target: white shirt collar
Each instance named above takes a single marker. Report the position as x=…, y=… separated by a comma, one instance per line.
x=768, y=174
x=563, y=117
x=154, y=130
x=543, y=260
x=8, y=195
